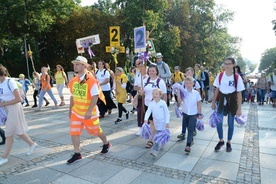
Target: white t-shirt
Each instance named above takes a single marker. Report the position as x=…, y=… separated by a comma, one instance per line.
x=227, y=84
x=137, y=79
x=101, y=76
x=189, y=105
x=150, y=87
x=160, y=114
x=273, y=85
x=6, y=94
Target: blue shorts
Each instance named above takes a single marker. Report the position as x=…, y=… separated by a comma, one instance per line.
x=273, y=94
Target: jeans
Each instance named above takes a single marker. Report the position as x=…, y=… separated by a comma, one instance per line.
x=59, y=89
x=190, y=122
x=261, y=95
x=230, y=126
x=41, y=96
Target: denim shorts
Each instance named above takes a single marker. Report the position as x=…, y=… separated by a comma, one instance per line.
x=273, y=94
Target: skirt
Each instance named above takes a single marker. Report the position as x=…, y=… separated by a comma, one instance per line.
x=16, y=123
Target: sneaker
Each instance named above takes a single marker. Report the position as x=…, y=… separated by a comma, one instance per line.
x=47, y=103
x=34, y=106
x=106, y=148
x=38, y=109
x=162, y=147
x=194, y=133
x=3, y=161
x=55, y=107
x=101, y=116
x=228, y=147
x=118, y=120
x=181, y=136
x=27, y=105
x=219, y=145
x=127, y=115
x=188, y=149
x=139, y=132
x=109, y=111
x=62, y=104
x=154, y=153
x=75, y=157
x=32, y=148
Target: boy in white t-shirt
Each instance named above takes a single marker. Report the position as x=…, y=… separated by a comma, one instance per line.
x=191, y=108
x=161, y=116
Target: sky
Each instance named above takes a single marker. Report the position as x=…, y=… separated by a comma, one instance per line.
x=252, y=23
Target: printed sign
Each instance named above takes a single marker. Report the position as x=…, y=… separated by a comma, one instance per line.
x=140, y=39
x=114, y=33
x=84, y=42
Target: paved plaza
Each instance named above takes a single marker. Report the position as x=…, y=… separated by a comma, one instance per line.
x=252, y=160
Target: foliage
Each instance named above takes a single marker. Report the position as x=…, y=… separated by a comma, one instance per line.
x=268, y=59
x=184, y=31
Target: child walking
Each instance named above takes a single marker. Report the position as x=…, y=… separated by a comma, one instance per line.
x=191, y=108
x=161, y=116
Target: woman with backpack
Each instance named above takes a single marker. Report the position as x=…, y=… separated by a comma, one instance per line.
x=16, y=123
x=227, y=100
x=103, y=76
x=149, y=84
x=45, y=88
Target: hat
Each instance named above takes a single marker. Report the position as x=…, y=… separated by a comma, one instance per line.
x=159, y=55
x=176, y=67
x=81, y=59
x=21, y=75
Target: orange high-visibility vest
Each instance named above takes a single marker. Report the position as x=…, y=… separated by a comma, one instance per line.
x=81, y=94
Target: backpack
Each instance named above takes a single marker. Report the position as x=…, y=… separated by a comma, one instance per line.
x=20, y=89
x=157, y=82
x=129, y=86
x=110, y=78
x=51, y=81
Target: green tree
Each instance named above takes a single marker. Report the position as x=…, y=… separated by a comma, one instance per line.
x=268, y=59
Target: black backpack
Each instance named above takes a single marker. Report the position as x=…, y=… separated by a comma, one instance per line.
x=129, y=86
x=110, y=78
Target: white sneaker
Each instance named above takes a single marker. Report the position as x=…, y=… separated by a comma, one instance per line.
x=3, y=161
x=139, y=132
x=32, y=148
x=162, y=147
x=154, y=153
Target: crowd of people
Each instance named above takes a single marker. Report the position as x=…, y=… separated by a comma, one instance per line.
x=95, y=87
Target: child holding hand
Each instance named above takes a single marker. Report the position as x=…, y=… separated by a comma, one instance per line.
x=161, y=116
x=191, y=108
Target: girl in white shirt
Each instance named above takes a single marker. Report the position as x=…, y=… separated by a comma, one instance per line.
x=161, y=115
x=229, y=87
x=191, y=108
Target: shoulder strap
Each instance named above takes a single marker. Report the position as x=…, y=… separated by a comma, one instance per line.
x=148, y=79
x=9, y=84
x=157, y=82
x=271, y=76
x=220, y=77
x=237, y=79
x=163, y=65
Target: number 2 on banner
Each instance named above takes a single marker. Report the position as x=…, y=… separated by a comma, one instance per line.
x=140, y=39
